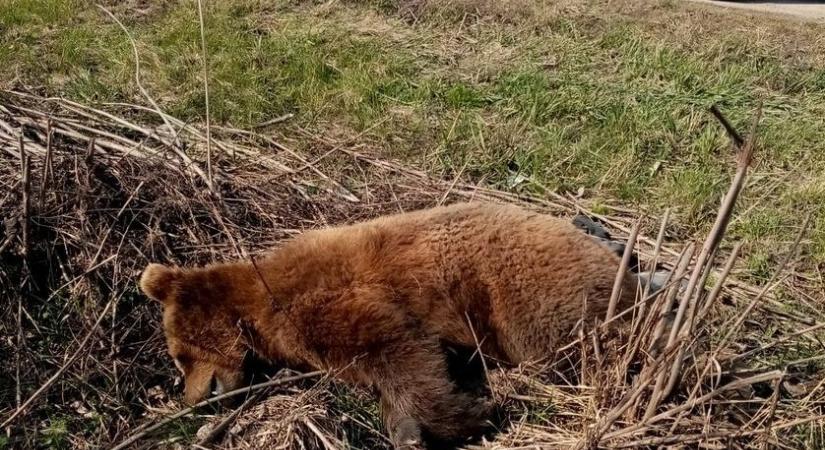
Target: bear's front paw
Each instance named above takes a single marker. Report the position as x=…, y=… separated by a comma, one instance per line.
x=407, y=435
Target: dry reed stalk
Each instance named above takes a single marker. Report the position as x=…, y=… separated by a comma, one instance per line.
x=683, y=326
x=48, y=171
x=621, y=273
x=205, y=56
x=720, y=283
x=25, y=190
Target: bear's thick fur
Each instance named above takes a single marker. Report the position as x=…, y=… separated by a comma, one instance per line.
x=374, y=302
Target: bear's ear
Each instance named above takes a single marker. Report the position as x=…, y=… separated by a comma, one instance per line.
x=157, y=281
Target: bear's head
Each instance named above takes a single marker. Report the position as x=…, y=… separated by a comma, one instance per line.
x=204, y=334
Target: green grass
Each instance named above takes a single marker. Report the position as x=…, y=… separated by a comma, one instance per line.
x=616, y=106
x=359, y=415
x=55, y=434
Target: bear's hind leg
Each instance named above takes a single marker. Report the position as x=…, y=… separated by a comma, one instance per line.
x=419, y=401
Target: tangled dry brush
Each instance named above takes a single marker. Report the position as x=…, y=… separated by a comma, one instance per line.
x=89, y=196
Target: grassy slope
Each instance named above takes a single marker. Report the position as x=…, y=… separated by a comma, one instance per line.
x=612, y=102
x=576, y=97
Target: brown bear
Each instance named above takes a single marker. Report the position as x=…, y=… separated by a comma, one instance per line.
x=373, y=303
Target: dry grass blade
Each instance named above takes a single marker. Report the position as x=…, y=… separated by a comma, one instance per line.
x=160, y=113
x=620, y=275
x=205, y=56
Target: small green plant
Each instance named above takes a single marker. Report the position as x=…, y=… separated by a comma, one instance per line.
x=55, y=434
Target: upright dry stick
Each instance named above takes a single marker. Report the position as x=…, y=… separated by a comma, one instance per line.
x=657, y=249
x=25, y=169
x=720, y=283
x=48, y=173
x=771, y=413
x=667, y=306
x=206, y=94
x=744, y=157
x=691, y=296
x=25, y=166
x=639, y=316
x=621, y=273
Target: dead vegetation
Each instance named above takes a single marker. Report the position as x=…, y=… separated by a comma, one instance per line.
x=90, y=196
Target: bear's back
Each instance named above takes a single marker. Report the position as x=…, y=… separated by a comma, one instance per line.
x=522, y=276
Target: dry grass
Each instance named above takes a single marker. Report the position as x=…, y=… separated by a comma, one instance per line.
x=110, y=190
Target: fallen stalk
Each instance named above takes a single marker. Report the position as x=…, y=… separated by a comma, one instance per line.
x=137, y=436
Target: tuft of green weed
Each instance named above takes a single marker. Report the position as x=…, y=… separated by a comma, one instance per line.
x=55, y=433
x=36, y=13
x=360, y=417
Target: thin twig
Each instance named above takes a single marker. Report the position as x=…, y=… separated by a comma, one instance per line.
x=621, y=274
x=480, y=355
x=48, y=172
x=25, y=186
x=274, y=121
x=327, y=444
x=720, y=283
x=206, y=94
x=246, y=390
x=772, y=412
x=734, y=135
x=18, y=355
x=221, y=427
x=657, y=393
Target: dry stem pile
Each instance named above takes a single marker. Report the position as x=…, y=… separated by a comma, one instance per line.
x=90, y=196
